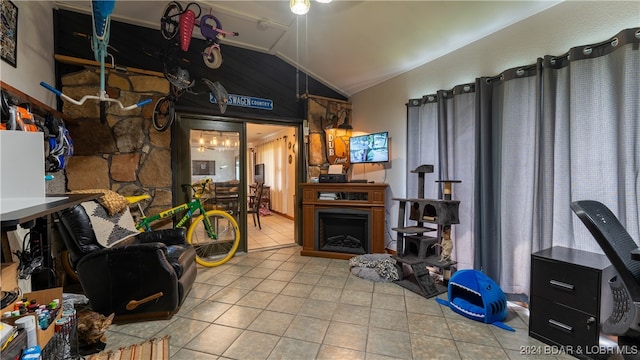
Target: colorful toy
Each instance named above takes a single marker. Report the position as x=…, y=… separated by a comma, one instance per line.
x=474, y=295
x=101, y=21
x=177, y=19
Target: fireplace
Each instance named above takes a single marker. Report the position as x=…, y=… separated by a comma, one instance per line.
x=345, y=226
x=343, y=230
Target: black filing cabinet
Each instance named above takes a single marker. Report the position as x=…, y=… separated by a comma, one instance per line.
x=569, y=298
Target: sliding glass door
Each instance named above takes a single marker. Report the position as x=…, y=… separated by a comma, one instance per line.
x=207, y=147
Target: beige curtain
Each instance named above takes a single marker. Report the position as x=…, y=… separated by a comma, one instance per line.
x=273, y=154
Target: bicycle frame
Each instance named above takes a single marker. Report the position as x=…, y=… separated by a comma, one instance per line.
x=214, y=31
x=191, y=208
x=222, y=232
x=101, y=15
x=187, y=19
x=164, y=107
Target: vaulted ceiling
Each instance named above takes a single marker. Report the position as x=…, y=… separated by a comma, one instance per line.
x=347, y=45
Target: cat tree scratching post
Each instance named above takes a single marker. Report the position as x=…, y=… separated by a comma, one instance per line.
x=415, y=247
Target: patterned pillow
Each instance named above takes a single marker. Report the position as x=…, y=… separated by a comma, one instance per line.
x=109, y=230
x=111, y=200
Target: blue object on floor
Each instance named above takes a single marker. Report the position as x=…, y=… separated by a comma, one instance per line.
x=476, y=296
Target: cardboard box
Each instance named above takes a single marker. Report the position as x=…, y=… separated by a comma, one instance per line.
x=9, y=279
x=43, y=297
x=6, y=308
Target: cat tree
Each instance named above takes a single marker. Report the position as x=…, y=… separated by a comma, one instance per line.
x=417, y=248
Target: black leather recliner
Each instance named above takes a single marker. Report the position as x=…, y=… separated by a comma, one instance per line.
x=147, y=276
x=624, y=254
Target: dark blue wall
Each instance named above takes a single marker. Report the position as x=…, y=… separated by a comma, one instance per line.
x=243, y=72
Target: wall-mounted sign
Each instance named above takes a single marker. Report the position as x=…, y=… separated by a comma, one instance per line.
x=246, y=101
x=337, y=148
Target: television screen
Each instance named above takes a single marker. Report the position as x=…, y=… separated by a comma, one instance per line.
x=258, y=173
x=370, y=148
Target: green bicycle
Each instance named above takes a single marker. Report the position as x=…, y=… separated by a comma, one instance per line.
x=213, y=233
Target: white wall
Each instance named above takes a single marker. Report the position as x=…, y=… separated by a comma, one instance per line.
x=225, y=164
x=551, y=32
x=35, y=51
x=35, y=63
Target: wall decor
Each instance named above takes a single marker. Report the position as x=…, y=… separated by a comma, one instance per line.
x=9, y=32
x=203, y=167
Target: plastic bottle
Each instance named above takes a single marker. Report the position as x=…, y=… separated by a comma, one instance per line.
x=28, y=323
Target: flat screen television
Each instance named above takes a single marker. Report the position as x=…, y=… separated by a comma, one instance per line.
x=258, y=173
x=371, y=148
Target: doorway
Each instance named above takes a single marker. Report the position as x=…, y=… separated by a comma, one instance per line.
x=227, y=151
x=272, y=159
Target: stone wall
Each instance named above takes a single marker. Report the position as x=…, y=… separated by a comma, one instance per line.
x=126, y=154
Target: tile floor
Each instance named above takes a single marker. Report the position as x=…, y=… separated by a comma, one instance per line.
x=276, y=230
x=276, y=304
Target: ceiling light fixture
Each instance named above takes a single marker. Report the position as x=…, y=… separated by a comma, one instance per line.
x=299, y=7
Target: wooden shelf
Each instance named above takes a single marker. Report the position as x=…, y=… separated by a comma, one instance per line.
x=37, y=106
x=413, y=229
x=434, y=211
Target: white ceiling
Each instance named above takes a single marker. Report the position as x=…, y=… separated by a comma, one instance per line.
x=349, y=45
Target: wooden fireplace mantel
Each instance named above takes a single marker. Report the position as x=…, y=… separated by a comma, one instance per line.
x=361, y=196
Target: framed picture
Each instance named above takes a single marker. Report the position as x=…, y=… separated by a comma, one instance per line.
x=203, y=167
x=9, y=32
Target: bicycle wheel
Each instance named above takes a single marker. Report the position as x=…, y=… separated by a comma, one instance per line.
x=65, y=259
x=216, y=245
x=170, y=19
x=212, y=57
x=163, y=114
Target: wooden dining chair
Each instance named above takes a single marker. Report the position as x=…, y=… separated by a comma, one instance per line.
x=254, y=204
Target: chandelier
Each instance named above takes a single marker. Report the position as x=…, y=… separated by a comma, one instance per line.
x=218, y=141
x=201, y=148
x=301, y=7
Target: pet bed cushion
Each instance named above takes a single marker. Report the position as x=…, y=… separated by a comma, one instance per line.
x=374, y=267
